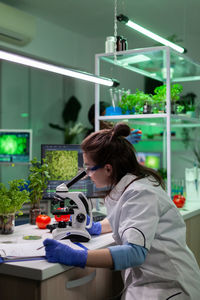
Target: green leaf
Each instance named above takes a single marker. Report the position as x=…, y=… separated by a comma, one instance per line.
x=38, y=177
x=13, y=197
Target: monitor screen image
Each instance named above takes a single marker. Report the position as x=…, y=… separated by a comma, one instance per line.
x=150, y=159
x=64, y=162
x=15, y=145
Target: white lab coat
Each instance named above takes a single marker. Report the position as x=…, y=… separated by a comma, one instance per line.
x=144, y=215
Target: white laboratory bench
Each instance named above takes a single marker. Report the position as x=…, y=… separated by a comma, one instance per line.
x=191, y=215
x=190, y=211
x=40, y=280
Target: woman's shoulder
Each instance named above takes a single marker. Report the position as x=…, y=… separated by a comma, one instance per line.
x=131, y=183
x=149, y=191
x=147, y=185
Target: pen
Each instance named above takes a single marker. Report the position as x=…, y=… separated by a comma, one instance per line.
x=40, y=248
x=78, y=244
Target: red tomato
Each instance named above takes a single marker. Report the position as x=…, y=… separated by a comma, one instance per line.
x=42, y=221
x=62, y=217
x=179, y=200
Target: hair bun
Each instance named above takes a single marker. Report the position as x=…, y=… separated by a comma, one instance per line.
x=121, y=129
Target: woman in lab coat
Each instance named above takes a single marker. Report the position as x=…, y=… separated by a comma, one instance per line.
x=147, y=227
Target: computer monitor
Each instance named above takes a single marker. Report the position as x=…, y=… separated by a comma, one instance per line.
x=15, y=145
x=150, y=159
x=64, y=161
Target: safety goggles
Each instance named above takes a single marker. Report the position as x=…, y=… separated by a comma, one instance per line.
x=91, y=169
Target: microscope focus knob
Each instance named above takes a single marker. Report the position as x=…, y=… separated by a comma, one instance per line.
x=62, y=224
x=80, y=218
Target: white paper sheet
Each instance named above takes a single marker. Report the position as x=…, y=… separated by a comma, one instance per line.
x=29, y=249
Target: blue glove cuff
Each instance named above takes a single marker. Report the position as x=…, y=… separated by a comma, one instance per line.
x=80, y=258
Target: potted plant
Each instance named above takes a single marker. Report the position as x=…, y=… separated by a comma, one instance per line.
x=127, y=104
x=38, y=179
x=12, y=199
x=143, y=102
x=159, y=99
x=134, y=103
x=159, y=96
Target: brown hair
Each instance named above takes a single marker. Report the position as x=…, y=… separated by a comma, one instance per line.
x=109, y=146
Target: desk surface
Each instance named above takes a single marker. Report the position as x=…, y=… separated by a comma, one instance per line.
x=190, y=210
x=41, y=269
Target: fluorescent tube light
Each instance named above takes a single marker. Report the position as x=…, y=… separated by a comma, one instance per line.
x=19, y=59
x=125, y=20
x=133, y=60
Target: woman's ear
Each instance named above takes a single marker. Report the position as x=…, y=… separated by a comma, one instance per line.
x=108, y=168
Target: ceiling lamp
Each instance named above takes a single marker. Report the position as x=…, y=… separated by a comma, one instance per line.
x=30, y=62
x=125, y=20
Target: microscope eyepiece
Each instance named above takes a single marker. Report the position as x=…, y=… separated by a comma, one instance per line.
x=76, y=178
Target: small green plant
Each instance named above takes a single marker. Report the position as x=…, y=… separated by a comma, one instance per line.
x=127, y=103
x=159, y=97
x=134, y=102
x=160, y=92
x=179, y=108
x=176, y=90
x=38, y=179
x=13, y=197
x=190, y=107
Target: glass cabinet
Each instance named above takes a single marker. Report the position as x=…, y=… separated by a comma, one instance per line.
x=162, y=64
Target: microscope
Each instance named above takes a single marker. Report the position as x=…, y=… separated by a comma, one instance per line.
x=78, y=208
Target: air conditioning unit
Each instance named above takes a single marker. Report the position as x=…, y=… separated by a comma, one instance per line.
x=16, y=26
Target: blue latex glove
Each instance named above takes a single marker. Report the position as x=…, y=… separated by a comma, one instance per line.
x=95, y=229
x=63, y=254
x=135, y=136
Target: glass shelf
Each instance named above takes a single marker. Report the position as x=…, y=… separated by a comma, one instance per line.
x=150, y=62
x=155, y=63
x=154, y=120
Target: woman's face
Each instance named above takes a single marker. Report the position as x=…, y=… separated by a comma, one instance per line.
x=101, y=176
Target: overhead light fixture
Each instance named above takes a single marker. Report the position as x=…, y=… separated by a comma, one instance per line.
x=30, y=62
x=125, y=20
x=133, y=59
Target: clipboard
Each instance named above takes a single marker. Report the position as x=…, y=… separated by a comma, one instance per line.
x=9, y=259
x=28, y=251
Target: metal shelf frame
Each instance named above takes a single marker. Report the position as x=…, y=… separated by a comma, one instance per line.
x=166, y=55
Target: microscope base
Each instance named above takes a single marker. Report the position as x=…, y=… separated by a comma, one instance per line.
x=75, y=235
